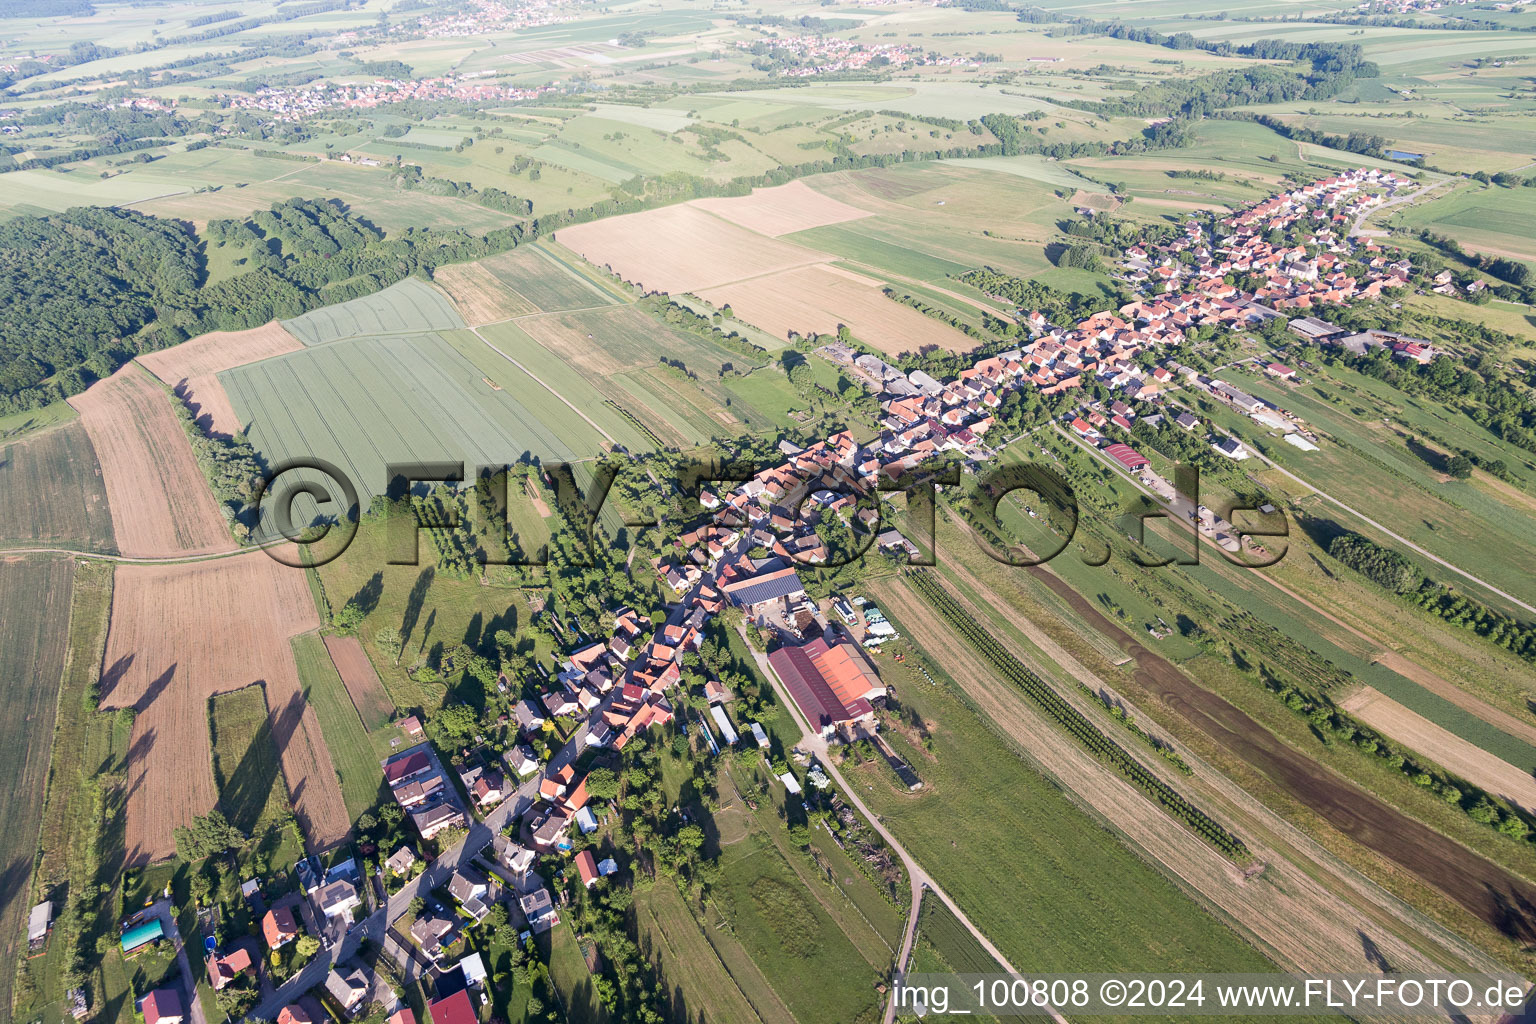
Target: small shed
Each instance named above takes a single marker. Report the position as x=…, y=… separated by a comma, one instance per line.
x=142, y=935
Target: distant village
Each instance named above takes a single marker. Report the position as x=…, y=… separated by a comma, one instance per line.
x=298, y=103
x=822, y=55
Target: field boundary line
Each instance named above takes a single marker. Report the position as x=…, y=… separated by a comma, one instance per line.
x=590, y=422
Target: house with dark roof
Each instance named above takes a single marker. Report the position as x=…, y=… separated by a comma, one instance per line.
x=348, y=988
x=472, y=890
x=338, y=899
x=433, y=931
x=434, y=819
x=538, y=910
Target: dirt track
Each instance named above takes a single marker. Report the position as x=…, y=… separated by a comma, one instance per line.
x=1487, y=890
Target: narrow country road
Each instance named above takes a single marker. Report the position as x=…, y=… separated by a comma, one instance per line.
x=1358, y=228
x=918, y=878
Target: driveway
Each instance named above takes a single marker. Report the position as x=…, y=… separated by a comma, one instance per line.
x=165, y=912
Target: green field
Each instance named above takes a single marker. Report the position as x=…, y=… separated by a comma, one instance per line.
x=688, y=962
x=1371, y=468
x=352, y=752
x=1485, y=219
x=1057, y=901
x=14, y=426
x=369, y=403
x=610, y=355
x=811, y=964
x=245, y=764
x=570, y=977
x=408, y=307
x=35, y=596
x=73, y=837
x=51, y=493
x=549, y=285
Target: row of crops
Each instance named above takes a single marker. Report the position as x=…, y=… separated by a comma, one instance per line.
x=1073, y=721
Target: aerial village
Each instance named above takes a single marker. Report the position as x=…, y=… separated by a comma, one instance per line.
x=517, y=810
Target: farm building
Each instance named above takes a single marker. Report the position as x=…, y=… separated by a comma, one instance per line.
x=726, y=731
x=1313, y=329
x=831, y=684
x=760, y=594
x=39, y=921
x=1126, y=456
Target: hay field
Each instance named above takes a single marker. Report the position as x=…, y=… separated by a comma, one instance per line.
x=728, y=252
x=52, y=493
x=782, y=209
x=818, y=299
x=245, y=764
x=1442, y=746
x=191, y=369
x=160, y=502
x=479, y=296
x=181, y=634
x=545, y=280
x=682, y=249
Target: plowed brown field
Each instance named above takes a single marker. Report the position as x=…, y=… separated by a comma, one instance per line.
x=373, y=705
x=160, y=502
x=192, y=368
x=182, y=633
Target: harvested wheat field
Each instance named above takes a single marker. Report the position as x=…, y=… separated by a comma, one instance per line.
x=1442, y=746
x=373, y=705
x=682, y=249
x=192, y=369
x=782, y=210
x=160, y=502
x=180, y=634
x=817, y=299
x=480, y=297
